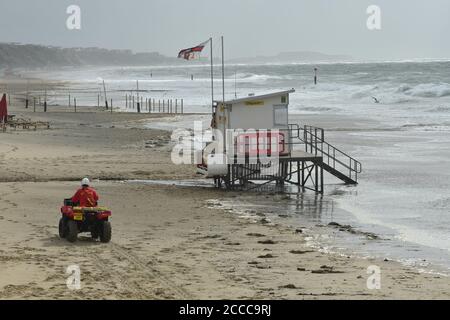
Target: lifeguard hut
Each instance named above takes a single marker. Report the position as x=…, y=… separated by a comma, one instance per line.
x=258, y=146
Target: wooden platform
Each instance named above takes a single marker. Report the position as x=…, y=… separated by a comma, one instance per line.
x=24, y=124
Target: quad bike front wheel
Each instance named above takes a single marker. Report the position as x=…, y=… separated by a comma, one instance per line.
x=62, y=228
x=105, y=232
x=72, y=231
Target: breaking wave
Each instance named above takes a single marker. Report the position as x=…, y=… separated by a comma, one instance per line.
x=258, y=77
x=426, y=90
x=299, y=109
x=440, y=109
x=426, y=127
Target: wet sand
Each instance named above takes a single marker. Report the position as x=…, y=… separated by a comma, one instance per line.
x=168, y=241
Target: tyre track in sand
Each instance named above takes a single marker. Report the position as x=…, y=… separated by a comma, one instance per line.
x=131, y=276
x=137, y=279
x=7, y=162
x=126, y=288
x=4, y=154
x=151, y=272
x=5, y=203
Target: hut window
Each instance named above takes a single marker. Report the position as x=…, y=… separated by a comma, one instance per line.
x=283, y=99
x=280, y=115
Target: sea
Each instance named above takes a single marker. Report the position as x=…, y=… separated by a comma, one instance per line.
x=393, y=116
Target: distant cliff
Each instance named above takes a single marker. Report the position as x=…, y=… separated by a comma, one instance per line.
x=14, y=55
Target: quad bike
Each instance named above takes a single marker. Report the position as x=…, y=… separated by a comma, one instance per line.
x=77, y=219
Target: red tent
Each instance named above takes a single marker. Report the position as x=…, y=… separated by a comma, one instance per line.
x=3, y=109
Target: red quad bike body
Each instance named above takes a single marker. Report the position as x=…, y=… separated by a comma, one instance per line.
x=75, y=219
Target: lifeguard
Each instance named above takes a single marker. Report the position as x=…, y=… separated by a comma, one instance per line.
x=86, y=196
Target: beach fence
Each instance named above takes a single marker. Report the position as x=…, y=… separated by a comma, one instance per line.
x=153, y=105
x=75, y=101
x=40, y=96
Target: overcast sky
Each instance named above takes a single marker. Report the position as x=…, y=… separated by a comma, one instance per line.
x=410, y=28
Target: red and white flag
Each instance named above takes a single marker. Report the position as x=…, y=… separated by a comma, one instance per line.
x=192, y=53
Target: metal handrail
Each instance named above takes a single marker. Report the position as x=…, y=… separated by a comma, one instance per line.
x=318, y=144
x=359, y=170
x=294, y=127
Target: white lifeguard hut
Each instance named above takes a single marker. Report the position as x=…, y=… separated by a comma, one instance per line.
x=268, y=111
x=259, y=146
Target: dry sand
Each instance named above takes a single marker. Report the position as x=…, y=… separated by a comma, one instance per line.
x=167, y=241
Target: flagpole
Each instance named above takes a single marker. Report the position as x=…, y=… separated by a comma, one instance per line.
x=223, y=74
x=212, y=74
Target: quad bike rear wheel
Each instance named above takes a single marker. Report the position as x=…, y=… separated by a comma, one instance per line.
x=95, y=233
x=62, y=228
x=106, y=232
x=72, y=231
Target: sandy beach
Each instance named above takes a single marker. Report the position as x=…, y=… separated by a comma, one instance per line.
x=314, y=139
x=169, y=242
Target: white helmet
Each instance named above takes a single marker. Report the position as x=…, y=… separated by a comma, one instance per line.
x=85, y=182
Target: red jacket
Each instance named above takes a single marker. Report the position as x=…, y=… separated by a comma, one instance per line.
x=86, y=197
